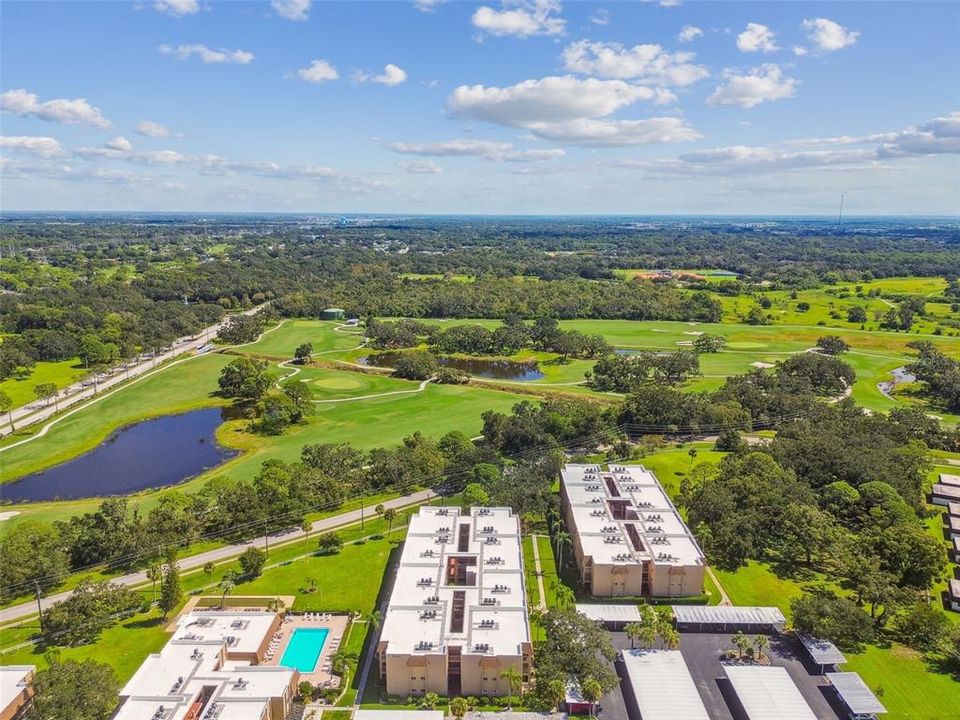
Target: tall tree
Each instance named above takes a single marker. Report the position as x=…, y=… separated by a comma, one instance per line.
x=78, y=690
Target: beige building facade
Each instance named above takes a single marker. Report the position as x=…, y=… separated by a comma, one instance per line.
x=628, y=538
x=457, y=617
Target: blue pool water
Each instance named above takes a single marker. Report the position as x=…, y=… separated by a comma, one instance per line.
x=304, y=649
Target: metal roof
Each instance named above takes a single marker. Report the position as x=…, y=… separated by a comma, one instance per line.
x=663, y=686
x=728, y=615
x=823, y=652
x=855, y=693
x=610, y=613
x=954, y=589
x=768, y=693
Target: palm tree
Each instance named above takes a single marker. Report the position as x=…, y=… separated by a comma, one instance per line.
x=306, y=526
x=375, y=620
x=389, y=515
x=565, y=598
x=741, y=642
x=515, y=681
x=592, y=692
x=670, y=637
x=633, y=631
x=692, y=452
x=153, y=574
x=458, y=707
x=761, y=642
x=557, y=692
x=648, y=636
x=379, y=511
x=561, y=538
x=226, y=586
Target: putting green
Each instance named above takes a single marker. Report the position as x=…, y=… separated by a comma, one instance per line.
x=344, y=382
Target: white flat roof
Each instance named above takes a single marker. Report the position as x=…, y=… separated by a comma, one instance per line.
x=663, y=686
x=728, y=615
x=487, y=541
x=13, y=681
x=946, y=491
x=953, y=509
x=823, y=652
x=855, y=693
x=954, y=589
x=768, y=693
x=948, y=479
x=610, y=613
x=244, y=631
x=663, y=537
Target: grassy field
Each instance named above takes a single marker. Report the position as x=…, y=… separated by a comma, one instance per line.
x=281, y=341
x=61, y=374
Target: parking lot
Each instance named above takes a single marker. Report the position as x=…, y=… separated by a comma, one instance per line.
x=703, y=653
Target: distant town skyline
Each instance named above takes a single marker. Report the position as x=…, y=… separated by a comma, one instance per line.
x=514, y=107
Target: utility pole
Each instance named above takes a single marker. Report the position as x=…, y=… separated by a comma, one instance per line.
x=266, y=539
x=361, y=511
x=36, y=584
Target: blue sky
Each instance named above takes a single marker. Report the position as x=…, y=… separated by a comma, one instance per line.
x=524, y=106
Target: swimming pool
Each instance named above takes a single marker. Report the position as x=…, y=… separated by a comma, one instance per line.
x=304, y=649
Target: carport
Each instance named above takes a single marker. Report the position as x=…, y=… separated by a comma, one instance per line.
x=728, y=617
x=823, y=652
x=613, y=617
x=859, y=699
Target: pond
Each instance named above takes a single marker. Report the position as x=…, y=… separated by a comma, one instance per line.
x=900, y=375
x=154, y=453
x=476, y=367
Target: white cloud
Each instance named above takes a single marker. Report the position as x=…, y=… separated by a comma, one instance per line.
x=549, y=99
x=762, y=84
x=756, y=38
x=70, y=112
x=689, y=33
x=799, y=50
x=148, y=128
x=938, y=136
x=208, y=55
x=177, y=8
x=617, y=133
x=600, y=17
x=120, y=144
x=35, y=145
x=317, y=72
x=158, y=157
x=427, y=6
x=521, y=18
x=650, y=63
x=489, y=149
x=422, y=167
x=292, y=9
x=453, y=148
x=828, y=35
x=391, y=76
x=567, y=109
x=669, y=3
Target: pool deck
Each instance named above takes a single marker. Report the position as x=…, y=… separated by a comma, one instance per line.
x=336, y=624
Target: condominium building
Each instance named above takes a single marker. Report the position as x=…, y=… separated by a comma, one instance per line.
x=627, y=537
x=210, y=670
x=16, y=691
x=457, y=616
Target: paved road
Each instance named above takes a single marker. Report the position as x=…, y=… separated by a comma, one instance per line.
x=78, y=392
x=28, y=609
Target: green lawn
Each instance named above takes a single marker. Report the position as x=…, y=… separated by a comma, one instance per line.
x=281, y=341
x=61, y=374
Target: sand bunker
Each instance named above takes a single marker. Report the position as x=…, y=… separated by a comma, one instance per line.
x=762, y=365
x=693, y=332
x=9, y=514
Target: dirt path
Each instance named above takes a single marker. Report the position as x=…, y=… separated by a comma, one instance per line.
x=724, y=598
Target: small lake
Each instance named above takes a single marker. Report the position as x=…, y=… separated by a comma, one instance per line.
x=900, y=375
x=154, y=453
x=476, y=367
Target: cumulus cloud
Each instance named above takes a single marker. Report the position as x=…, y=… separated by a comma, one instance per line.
x=689, y=33
x=318, y=71
x=589, y=132
x=177, y=8
x=759, y=85
x=569, y=110
x=34, y=145
x=391, y=76
x=70, y=112
x=521, y=18
x=148, y=128
x=422, y=167
x=208, y=55
x=120, y=144
x=649, y=63
x=292, y=9
x=756, y=38
x=549, y=99
x=828, y=35
x=938, y=136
